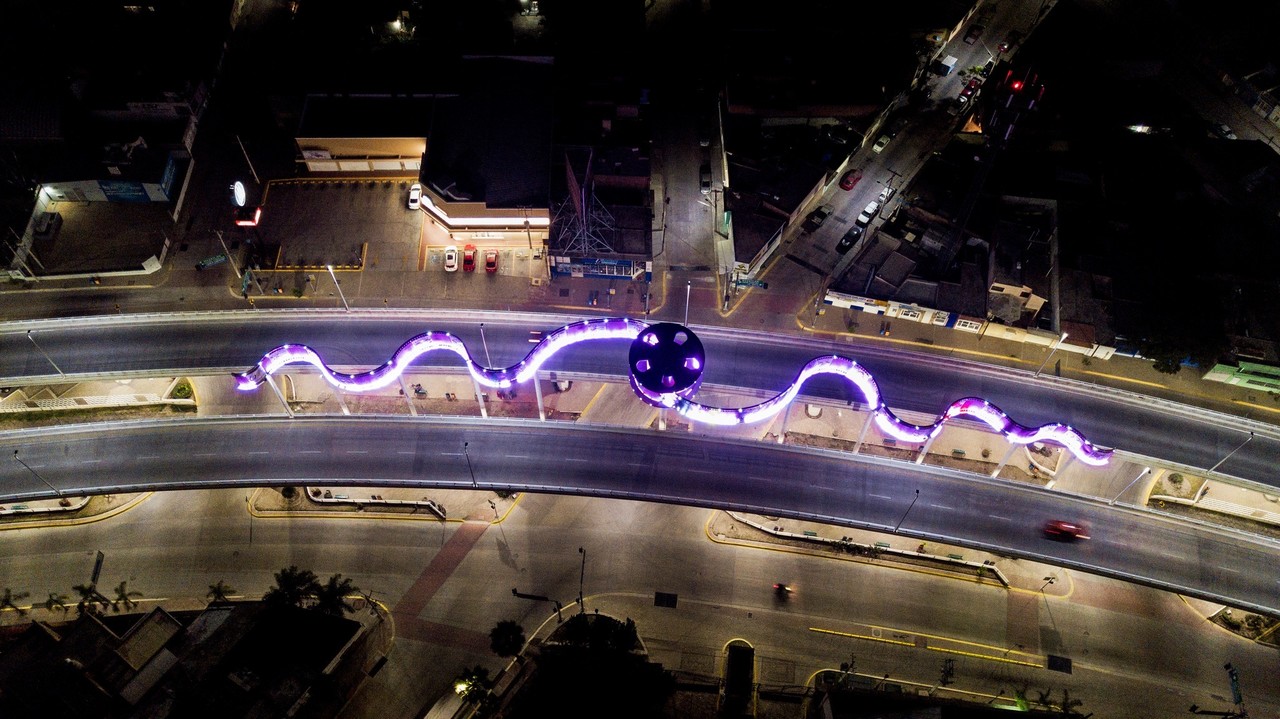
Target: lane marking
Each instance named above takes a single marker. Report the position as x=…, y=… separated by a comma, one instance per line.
x=405, y=451
x=258, y=451
x=90, y=461
x=309, y=451
x=1228, y=569
x=939, y=506
x=699, y=471
x=516, y=456
x=149, y=456
x=357, y=451
x=996, y=516
x=881, y=496
x=637, y=464
x=574, y=459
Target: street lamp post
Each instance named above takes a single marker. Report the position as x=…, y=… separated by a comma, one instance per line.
x=1055, y=347
x=470, y=471
x=487, y=362
x=18, y=459
x=688, y=287
x=345, y=306
x=1047, y=582
x=1214, y=467
x=1130, y=484
x=582, y=575
x=904, y=514
x=46, y=354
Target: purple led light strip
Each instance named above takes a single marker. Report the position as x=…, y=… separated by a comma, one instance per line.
x=624, y=328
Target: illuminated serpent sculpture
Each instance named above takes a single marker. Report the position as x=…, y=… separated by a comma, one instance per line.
x=666, y=362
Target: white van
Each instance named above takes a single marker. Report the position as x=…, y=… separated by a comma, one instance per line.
x=868, y=213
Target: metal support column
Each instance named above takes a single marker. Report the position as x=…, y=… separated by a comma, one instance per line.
x=342, y=402
x=924, y=451
x=782, y=431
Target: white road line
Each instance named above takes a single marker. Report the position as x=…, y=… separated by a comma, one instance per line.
x=516, y=456
x=204, y=454
x=1229, y=569
x=451, y=454
x=90, y=461
x=405, y=451
x=357, y=451
x=699, y=471
x=259, y=451
x=939, y=506
x=996, y=516
x=881, y=496
x=149, y=456
x=574, y=459
x=637, y=464
x=309, y=451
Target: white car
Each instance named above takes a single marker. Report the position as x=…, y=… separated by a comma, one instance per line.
x=882, y=143
x=868, y=213
x=451, y=259
x=415, y=196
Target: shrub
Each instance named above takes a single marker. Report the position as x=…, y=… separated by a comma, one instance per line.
x=1175, y=479
x=182, y=390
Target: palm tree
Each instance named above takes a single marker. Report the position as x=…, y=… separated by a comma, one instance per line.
x=125, y=597
x=293, y=587
x=10, y=598
x=88, y=596
x=56, y=601
x=331, y=597
x=473, y=684
x=219, y=593
x=506, y=639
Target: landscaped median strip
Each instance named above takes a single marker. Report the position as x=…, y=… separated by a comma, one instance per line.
x=995, y=654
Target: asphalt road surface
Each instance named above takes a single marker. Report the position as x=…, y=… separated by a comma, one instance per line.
x=908, y=381
x=1122, y=638
x=831, y=487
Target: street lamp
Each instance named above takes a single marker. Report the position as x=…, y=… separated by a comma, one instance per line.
x=1211, y=469
x=1047, y=582
x=1053, y=349
x=1130, y=484
x=582, y=575
x=470, y=471
x=335, y=284
x=487, y=362
x=904, y=514
x=688, y=287
x=18, y=459
x=46, y=354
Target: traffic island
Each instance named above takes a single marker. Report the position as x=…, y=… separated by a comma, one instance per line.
x=67, y=511
x=1255, y=627
x=381, y=502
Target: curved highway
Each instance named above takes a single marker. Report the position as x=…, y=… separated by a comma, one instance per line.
x=826, y=486
x=909, y=381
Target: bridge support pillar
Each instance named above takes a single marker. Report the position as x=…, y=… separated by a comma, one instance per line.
x=924, y=451
x=537, y=391
x=287, y=409
x=342, y=401
x=782, y=431
x=480, y=398
x=408, y=396
x=1004, y=460
x=862, y=436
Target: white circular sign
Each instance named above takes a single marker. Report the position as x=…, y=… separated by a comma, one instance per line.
x=238, y=194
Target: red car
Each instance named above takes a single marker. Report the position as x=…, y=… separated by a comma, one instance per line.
x=850, y=179
x=469, y=259
x=969, y=90
x=1065, y=531
x=491, y=261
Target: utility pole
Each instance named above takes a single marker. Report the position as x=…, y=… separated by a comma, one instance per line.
x=18, y=459
x=904, y=514
x=335, y=284
x=470, y=471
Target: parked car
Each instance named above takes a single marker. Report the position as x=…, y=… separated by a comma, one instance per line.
x=986, y=69
x=469, y=258
x=882, y=143
x=868, y=213
x=850, y=179
x=415, y=196
x=815, y=219
x=969, y=91
x=1224, y=132
x=705, y=175
x=491, y=261
x=975, y=32
x=849, y=240
x=1061, y=531
x=451, y=259
x=886, y=194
